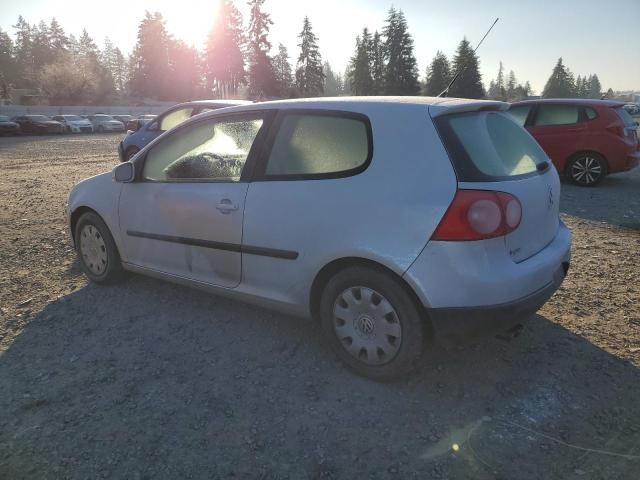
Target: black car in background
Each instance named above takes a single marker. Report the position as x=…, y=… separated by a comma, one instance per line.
x=7, y=127
x=38, y=124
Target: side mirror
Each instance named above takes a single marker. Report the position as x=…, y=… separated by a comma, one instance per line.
x=124, y=173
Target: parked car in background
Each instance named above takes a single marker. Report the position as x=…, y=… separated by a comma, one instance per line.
x=586, y=139
x=105, y=123
x=74, y=123
x=138, y=137
x=38, y=124
x=7, y=127
x=326, y=208
x=633, y=109
x=123, y=118
x=135, y=123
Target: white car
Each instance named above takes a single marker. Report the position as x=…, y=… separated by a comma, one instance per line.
x=386, y=219
x=74, y=123
x=106, y=123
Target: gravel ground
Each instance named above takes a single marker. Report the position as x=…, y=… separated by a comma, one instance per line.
x=147, y=380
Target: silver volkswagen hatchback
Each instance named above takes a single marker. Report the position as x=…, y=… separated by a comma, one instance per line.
x=389, y=220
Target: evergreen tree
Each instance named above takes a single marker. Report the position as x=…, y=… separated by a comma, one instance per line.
x=224, y=61
x=8, y=66
x=309, y=72
x=560, y=83
x=150, y=70
x=497, y=88
x=185, y=75
x=23, y=52
x=359, y=71
x=512, y=84
x=42, y=50
x=332, y=82
x=438, y=75
x=262, y=82
x=282, y=69
x=376, y=58
x=466, y=65
x=59, y=40
x=594, y=88
x=401, y=76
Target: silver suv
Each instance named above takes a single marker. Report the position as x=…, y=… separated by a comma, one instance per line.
x=387, y=220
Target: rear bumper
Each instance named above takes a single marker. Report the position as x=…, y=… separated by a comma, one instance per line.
x=456, y=324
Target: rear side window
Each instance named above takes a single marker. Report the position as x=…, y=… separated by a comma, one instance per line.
x=590, y=113
x=557, y=115
x=316, y=145
x=520, y=114
x=489, y=146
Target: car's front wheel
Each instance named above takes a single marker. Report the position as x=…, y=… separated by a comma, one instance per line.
x=97, y=250
x=587, y=169
x=372, y=323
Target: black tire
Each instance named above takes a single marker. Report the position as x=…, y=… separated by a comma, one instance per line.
x=67, y=129
x=586, y=169
x=406, y=314
x=129, y=153
x=111, y=271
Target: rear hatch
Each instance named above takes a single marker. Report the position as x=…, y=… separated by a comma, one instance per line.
x=490, y=151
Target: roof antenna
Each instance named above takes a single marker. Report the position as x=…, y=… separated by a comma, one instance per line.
x=445, y=92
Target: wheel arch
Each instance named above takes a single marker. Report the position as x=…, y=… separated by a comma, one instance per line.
x=333, y=267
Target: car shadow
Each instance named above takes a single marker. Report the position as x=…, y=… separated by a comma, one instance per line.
x=596, y=203
x=152, y=380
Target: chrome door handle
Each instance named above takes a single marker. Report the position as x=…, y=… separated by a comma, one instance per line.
x=226, y=206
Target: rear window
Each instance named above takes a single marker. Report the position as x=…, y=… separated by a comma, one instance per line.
x=627, y=119
x=520, y=114
x=489, y=146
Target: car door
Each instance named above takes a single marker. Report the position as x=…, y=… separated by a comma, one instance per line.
x=183, y=214
x=559, y=130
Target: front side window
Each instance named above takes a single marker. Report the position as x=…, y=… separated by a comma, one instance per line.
x=557, y=115
x=309, y=144
x=204, y=151
x=175, y=118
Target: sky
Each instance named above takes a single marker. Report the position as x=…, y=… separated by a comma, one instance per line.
x=591, y=36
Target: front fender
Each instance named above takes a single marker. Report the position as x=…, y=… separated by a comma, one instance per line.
x=100, y=194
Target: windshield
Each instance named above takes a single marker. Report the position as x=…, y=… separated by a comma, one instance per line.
x=72, y=118
x=38, y=118
x=488, y=145
x=103, y=117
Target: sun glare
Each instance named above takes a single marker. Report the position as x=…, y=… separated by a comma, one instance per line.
x=190, y=20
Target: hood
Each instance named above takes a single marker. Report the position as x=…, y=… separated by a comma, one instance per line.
x=79, y=122
x=47, y=122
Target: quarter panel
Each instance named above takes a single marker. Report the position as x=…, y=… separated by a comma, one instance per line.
x=386, y=213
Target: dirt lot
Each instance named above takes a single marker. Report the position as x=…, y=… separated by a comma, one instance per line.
x=147, y=380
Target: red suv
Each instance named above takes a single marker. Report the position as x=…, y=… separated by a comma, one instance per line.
x=586, y=139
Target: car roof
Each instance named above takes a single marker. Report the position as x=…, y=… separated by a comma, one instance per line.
x=571, y=101
x=436, y=105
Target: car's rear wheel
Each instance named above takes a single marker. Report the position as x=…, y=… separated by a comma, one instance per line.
x=587, y=169
x=372, y=323
x=130, y=152
x=97, y=250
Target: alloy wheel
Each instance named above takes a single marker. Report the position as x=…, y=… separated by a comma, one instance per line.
x=586, y=170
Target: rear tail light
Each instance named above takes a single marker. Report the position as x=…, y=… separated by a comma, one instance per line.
x=478, y=215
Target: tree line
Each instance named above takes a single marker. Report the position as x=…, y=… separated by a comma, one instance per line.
x=236, y=56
